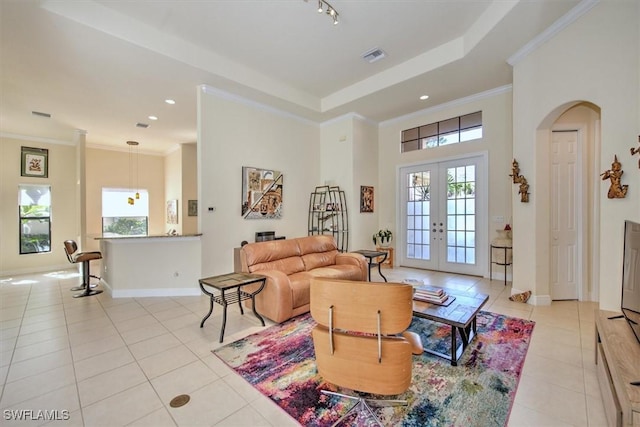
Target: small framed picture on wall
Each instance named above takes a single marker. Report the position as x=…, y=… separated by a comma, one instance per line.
x=35, y=162
x=366, y=199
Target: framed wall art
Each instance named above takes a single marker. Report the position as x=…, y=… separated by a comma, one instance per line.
x=192, y=208
x=35, y=162
x=172, y=211
x=366, y=199
x=261, y=193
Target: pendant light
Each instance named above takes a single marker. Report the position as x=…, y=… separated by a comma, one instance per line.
x=132, y=144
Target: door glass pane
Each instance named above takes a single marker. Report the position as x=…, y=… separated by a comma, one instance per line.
x=461, y=214
x=418, y=215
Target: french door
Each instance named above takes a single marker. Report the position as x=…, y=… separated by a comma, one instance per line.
x=443, y=216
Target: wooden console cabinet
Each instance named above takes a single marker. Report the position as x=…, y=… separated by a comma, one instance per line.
x=618, y=364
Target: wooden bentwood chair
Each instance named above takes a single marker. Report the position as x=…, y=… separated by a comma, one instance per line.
x=361, y=341
x=71, y=248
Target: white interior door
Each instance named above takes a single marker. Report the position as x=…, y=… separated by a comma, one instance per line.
x=441, y=216
x=565, y=200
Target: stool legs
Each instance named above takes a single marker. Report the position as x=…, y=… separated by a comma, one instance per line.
x=86, y=285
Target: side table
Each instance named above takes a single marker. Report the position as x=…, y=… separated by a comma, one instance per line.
x=505, y=261
x=388, y=262
x=371, y=255
x=228, y=282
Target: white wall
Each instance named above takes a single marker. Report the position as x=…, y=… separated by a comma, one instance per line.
x=110, y=169
x=496, y=141
x=173, y=187
x=233, y=133
x=349, y=159
x=594, y=60
x=64, y=205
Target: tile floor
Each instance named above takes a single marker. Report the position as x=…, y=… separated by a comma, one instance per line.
x=119, y=362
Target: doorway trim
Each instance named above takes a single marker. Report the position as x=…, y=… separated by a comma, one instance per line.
x=482, y=205
x=585, y=275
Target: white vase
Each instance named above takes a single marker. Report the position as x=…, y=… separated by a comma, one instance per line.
x=502, y=256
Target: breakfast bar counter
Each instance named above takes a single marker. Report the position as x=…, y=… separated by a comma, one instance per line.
x=142, y=266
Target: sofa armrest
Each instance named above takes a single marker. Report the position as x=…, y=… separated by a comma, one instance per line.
x=275, y=301
x=353, y=258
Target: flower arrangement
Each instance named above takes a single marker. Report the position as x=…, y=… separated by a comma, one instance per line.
x=383, y=237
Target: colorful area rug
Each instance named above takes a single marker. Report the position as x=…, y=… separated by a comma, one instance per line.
x=279, y=361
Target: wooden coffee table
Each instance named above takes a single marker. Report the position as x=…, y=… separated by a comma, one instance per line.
x=460, y=315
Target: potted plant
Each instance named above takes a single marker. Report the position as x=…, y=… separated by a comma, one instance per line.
x=383, y=238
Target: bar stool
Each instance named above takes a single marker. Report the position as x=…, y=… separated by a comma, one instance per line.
x=70, y=248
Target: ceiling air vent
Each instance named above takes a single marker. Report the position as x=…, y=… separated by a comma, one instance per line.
x=142, y=125
x=373, y=55
x=38, y=113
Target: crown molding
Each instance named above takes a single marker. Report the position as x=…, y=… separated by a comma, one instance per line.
x=36, y=139
x=567, y=19
x=457, y=102
x=210, y=90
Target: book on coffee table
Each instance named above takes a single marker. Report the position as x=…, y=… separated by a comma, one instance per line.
x=432, y=295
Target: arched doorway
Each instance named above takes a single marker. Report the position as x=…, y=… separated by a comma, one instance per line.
x=568, y=153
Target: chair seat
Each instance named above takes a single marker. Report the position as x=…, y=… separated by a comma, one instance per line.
x=86, y=256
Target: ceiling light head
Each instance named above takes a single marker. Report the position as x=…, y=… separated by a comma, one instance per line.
x=330, y=10
x=132, y=143
x=153, y=117
x=423, y=97
x=170, y=101
x=142, y=125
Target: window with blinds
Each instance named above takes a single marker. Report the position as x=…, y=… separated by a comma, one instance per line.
x=451, y=131
x=119, y=218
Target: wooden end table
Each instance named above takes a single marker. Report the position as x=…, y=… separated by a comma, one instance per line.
x=228, y=282
x=371, y=255
x=460, y=315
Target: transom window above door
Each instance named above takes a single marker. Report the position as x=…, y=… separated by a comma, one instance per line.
x=445, y=132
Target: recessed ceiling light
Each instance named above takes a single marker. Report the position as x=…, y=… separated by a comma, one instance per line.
x=142, y=125
x=423, y=97
x=170, y=101
x=153, y=118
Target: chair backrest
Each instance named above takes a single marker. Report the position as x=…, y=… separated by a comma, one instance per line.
x=356, y=341
x=70, y=247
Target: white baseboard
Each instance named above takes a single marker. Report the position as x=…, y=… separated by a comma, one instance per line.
x=157, y=292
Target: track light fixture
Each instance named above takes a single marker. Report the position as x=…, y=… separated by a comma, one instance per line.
x=330, y=10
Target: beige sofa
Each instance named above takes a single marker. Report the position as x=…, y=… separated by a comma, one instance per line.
x=289, y=266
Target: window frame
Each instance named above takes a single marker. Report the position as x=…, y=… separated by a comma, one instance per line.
x=22, y=218
x=435, y=134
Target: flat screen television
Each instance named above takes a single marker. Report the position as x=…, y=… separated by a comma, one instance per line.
x=630, y=304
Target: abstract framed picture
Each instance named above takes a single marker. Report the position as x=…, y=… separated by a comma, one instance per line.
x=261, y=193
x=35, y=162
x=366, y=199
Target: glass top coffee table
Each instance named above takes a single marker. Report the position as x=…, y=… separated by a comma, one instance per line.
x=460, y=315
x=231, y=282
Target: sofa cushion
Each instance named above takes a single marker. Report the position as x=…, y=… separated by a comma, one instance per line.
x=282, y=255
x=320, y=259
x=286, y=265
x=300, y=288
x=315, y=244
x=343, y=271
